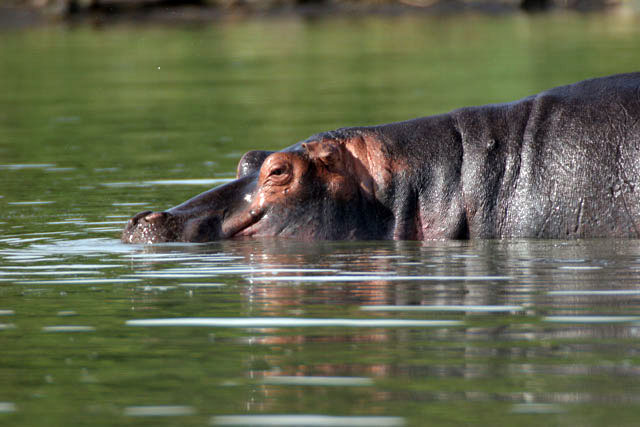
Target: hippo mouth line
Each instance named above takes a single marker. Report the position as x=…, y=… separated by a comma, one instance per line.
x=240, y=226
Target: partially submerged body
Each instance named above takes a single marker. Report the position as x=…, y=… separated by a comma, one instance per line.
x=561, y=164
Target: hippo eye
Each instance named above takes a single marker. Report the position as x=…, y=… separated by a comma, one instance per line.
x=279, y=173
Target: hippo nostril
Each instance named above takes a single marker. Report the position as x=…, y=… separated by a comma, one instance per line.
x=136, y=217
x=151, y=227
x=155, y=216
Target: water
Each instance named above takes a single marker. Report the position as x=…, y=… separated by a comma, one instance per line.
x=98, y=123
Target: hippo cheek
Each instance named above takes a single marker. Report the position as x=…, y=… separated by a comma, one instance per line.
x=202, y=229
x=218, y=224
x=299, y=221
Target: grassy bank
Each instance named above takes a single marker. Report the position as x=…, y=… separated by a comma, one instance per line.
x=65, y=8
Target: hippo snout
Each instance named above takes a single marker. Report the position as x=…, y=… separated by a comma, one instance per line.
x=150, y=227
x=168, y=226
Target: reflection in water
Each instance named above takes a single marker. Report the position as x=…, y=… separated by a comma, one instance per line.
x=514, y=304
x=384, y=324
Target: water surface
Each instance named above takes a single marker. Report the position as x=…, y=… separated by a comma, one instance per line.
x=98, y=123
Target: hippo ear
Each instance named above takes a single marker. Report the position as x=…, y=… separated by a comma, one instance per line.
x=327, y=152
x=336, y=157
x=251, y=162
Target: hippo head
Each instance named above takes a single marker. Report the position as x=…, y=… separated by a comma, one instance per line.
x=324, y=188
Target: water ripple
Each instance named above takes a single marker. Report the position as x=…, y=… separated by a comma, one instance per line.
x=74, y=281
x=306, y=420
x=6, y=407
x=159, y=411
x=286, y=322
x=597, y=292
x=368, y=278
x=319, y=381
x=455, y=308
x=205, y=181
x=68, y=328
x=591, y=319
x=27, y=166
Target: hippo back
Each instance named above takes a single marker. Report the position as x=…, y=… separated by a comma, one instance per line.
x=564, y=163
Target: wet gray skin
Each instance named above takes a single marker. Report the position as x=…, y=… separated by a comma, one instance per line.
x=561, y=164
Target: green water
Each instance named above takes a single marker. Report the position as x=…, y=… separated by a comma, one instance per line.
x=98, y=123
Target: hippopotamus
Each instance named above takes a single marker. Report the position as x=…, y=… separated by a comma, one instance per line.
x=564, y=163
